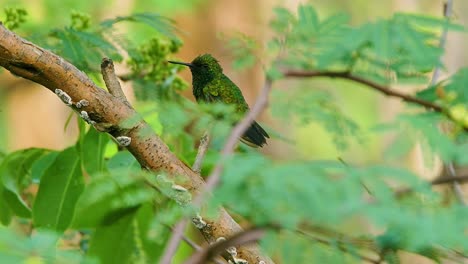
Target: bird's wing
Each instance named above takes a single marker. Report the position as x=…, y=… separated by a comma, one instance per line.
x=224, y=90
x=211, y=93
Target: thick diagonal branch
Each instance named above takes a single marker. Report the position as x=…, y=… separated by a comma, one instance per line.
x=114, y=116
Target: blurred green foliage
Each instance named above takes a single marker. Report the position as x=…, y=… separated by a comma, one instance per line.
x=14, y=17
x=88, y=200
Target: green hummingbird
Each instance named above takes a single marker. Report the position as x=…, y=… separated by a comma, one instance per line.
x=211, y=85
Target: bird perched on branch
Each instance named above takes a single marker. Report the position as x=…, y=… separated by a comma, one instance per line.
x=211, y=85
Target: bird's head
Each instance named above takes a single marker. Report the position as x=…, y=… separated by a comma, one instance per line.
x=204, y=66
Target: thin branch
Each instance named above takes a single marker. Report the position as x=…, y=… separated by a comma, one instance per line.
x=241, y=238
x=110, y=79
x=340, y=244
x=381, y=88
x=174, y=241
x=450, y=179
x=191, y=243
x=441, y=180
x=448, y=7
x=456, y=185
x=194, y=245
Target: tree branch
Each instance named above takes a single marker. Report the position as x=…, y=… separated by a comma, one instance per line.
x=109, y=114
x=110, y=79
x=442, y=180
x=381, y=88
x=211, y=251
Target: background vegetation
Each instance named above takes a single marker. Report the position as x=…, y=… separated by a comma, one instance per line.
x=348, y=174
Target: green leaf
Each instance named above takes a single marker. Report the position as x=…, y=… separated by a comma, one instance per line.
x=14, y=17
x=381, y=40
x=306, y=106
x=41, y=165
x=84, y=49
x=108, y=197
x=243, y=48
x=333, y=22
x=39, y=247
x=123, y=160
x=152, y=240
x=92, y=151
x=415, y=43
x=282, y=21
x=159, y=23
x=431, y=22
x=15, y=173
x=17, y=205
x=457, y=87
x=307, y=18
x=160, y=81
x=60, y=187
x=5, y=212
x=16, y=168
x=400, y=146
x=114, y=243
x=424, y=128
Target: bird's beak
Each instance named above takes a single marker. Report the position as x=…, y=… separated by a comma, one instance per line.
x=181, y=63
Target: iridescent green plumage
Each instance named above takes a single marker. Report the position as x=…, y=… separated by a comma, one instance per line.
x=211, y=85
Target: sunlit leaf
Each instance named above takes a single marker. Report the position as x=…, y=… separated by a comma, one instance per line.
x=60, y=187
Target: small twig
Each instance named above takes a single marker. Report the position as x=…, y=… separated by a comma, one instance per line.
x=241, y=238
x=110, y=79
x=174, y=241
x=202, y=148
x=450, y=179
x=442, y=180
x=381, y=88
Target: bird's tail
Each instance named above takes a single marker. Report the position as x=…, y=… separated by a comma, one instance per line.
x=255, y=136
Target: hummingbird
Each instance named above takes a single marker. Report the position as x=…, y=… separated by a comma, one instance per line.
x=211, y=85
